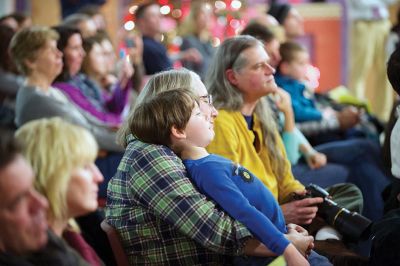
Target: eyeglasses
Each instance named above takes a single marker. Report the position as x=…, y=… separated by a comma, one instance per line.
x=207, y=99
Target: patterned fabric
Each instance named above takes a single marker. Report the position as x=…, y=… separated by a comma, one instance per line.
x=160, y=216
x=312, y=128
x=91, y=91
x=106, y=107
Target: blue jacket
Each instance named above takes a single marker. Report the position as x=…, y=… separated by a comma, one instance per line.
x=243, y=196
x=304, y=109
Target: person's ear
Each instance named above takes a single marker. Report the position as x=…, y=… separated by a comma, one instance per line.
x=29, y=63
x=231, y=76
x=178, y=133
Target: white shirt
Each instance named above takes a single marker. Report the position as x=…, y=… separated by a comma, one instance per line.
x=369, y=9
x=395, y=146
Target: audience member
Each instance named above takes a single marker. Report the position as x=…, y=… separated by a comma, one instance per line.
x=83, y=22
x=84, y=91
x=16, y=21
x=393, y=134
x=84, y=88
x=290, y=76
x=392, y=72
x=155, y=57
x=24, y=238
x=23, y=20
x=94, y=12
x=62, y=157
x=72, y=7
x=196, y=33
x=10, y=81
x=80, y=92
x=116, y=69
x=186, y=130
x=268, y=38
x=393, y=40
x=328, y=164
x=22, y=209
x=289, y=18
x=370, y=26
x=9, y=21
x=238, y=79
x=158, y=212
x=385, y=232
x=35, y=53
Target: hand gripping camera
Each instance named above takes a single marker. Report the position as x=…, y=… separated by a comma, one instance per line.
x=351, y=225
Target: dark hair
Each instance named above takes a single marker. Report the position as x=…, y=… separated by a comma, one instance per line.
x=153, y=119
x=102, y=35
x=139, y=13
x=279, y=11
x=2, y=18
x=19, y=17
x=6, y=62
x=65, y=33
x=87, y=45
x=9, y=147
x=5, y=17
x=90, y=10
x=288, y=51
x=393, y=70
x=259, y=32
x=89, y=42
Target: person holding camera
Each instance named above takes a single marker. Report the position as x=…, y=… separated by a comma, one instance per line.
x=238, y=79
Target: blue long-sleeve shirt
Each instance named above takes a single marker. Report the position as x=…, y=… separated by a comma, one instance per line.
x=243, y=196
x=304, y=109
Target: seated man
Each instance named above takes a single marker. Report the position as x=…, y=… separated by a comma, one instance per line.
x=22, y=209
x=24, y=238
x=155, y=56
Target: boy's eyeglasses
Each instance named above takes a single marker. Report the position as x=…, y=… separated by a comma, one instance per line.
x=207, y=99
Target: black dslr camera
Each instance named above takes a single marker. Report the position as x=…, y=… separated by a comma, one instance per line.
x=351, y=225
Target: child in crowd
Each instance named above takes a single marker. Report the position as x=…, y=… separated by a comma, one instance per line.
x=291, y=76
x=173, y=118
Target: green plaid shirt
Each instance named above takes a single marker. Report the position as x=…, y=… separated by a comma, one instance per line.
x=162, y=218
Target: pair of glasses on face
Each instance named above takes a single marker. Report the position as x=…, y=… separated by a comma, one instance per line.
x=207, y=99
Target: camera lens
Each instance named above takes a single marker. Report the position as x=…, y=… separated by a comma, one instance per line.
x=352, y=225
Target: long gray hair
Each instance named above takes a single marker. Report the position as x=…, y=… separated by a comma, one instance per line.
x=163, y=81
x=228, y=97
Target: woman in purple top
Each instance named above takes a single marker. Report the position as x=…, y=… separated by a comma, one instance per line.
x=83, y=90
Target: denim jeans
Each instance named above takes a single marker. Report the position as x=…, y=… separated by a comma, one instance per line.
x=362, y=158
x=108, y=167
x=326, y=176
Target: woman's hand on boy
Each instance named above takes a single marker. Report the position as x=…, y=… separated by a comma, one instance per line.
x=299, y=229
x=304, y=244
